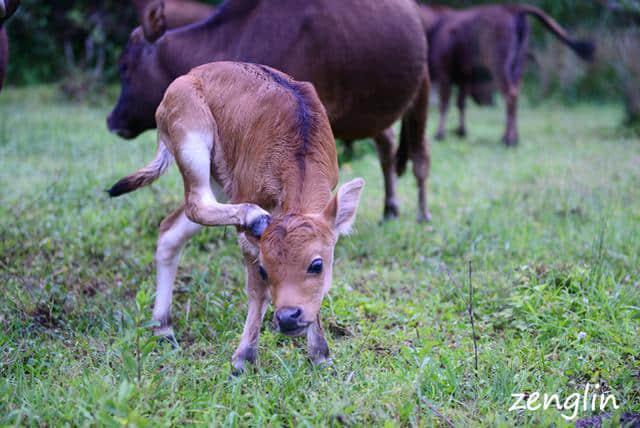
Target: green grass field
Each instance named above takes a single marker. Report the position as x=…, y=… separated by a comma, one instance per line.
x=552, y=230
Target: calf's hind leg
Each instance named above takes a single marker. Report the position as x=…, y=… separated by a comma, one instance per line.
x=175, y=231
x=193, y=156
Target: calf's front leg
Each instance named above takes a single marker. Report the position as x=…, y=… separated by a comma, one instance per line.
x=317, y=346
x=258, y=294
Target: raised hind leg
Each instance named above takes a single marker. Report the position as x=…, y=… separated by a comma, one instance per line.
x=175, y=231
x=188, y=129
x=193, y=157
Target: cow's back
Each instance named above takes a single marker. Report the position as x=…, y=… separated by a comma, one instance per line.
x=364, y=58
x=471, y=44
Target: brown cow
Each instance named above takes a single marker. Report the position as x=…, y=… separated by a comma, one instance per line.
x=481, y=48
x=170, y=13
x=367, y=60
x=7, y=8
x=265, y=140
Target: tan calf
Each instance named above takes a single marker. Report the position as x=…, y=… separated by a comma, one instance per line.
x=264, y=140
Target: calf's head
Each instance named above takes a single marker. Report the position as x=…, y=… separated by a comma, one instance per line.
x=296, y=258
x=142, y=78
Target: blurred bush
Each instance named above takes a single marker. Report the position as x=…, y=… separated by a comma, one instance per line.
x=75, y=42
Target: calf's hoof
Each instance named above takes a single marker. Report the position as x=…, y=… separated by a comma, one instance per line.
x=321, y=362
x=241, y=359
x=439, y=135
x=461, y=132
x=168, y=340
x=256, y=220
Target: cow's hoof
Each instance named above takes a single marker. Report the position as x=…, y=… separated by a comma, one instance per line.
x=390, y=211
x=439, y=136
x=510, y=141
x=424, y=217
x=461, y=132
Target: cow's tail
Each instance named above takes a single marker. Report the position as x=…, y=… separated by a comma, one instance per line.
x=144, y=176
x=583, y=48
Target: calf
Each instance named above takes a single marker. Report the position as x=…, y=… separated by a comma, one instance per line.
x=265, y=140
x=481, y=48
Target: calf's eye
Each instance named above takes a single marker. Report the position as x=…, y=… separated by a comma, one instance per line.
x=315, y=266
x=263, y=273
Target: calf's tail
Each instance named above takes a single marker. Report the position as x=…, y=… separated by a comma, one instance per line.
x=583, y=48
x=144, y=176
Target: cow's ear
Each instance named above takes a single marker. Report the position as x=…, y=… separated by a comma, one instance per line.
x=341, y=211
x=154, y=23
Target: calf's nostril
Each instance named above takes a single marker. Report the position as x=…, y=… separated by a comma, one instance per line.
x=288, y=318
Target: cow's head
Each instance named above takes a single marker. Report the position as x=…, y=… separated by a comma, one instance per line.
x=142, y=78
x=296, y=258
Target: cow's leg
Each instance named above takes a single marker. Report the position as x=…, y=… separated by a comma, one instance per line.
x=462, y=95
x=193, y=156
x=510, y=80
x=348, y=149
x=386, y=153
x=258, y=294
x=415, y=122
x=444, y=93
x=317, y=346
x=175, y=231
x=511, y=133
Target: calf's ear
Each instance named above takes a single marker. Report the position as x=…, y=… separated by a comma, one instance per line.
x=154, y=23
x=341, y=211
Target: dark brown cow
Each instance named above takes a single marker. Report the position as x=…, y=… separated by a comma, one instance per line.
x=170, y=13
x=483, y=48
x=7, y=8
x=265, y=141
x=367, y=60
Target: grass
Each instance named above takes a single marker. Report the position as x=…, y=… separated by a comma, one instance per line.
x=552, y=229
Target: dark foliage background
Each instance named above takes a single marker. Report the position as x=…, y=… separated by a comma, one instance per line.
x=77, y=43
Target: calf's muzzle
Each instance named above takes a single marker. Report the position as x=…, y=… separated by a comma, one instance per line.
x=290, y=321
